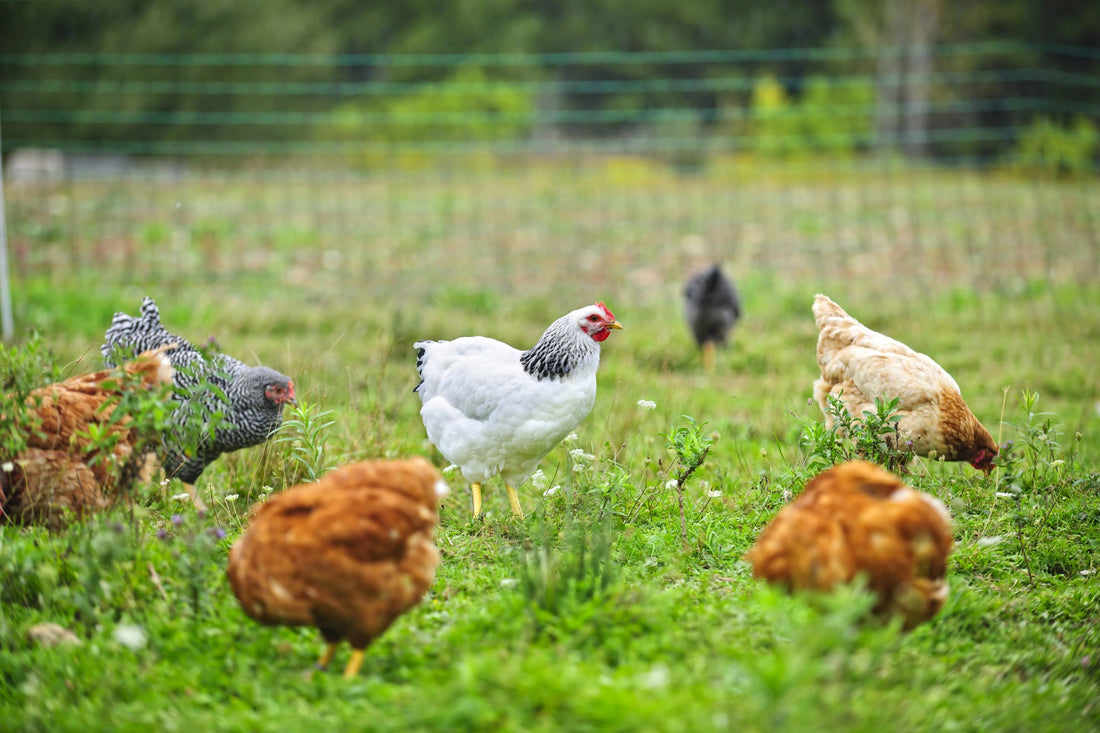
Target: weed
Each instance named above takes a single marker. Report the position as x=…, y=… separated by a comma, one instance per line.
x=303, y=431
x=873, y=437
x=559, y=583
x=1035, y=473
x=22, y=369
x=691, y=448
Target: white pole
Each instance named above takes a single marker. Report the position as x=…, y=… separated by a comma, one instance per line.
x=7, y=325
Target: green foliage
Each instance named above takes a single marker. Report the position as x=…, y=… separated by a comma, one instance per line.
x=23, y=368
x=873, y=437
x=304, y=433
x=1036, y=470
x=414, y=128
x=566, y=587
x=831, y=117
x=1054, y=149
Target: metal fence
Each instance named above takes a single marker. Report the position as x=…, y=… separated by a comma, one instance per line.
x=532, y=173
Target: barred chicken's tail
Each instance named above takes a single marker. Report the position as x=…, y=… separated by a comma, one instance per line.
x=129, y=335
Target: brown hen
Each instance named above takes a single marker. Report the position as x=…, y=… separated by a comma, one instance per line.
x=858, y=365
x=63, y=471
x=858, y=520
x=347, y=554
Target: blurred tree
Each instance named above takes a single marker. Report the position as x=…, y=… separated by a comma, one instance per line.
x=130, y=99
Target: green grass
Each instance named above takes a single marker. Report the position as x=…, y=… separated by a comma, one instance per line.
x=659, y=628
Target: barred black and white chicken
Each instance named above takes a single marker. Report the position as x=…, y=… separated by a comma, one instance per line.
x=492, y=409
x=250, y=399
x=711, y=308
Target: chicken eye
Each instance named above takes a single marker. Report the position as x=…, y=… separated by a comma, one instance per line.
x=593, y=318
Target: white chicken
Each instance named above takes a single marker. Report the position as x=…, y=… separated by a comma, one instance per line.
x=491, y=409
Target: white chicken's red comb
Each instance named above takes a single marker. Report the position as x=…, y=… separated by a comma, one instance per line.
x=605, y=309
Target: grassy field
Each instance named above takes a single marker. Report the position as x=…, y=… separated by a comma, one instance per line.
x=663, y=628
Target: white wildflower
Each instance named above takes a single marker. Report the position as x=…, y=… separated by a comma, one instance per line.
x=1005, y=495
x=231, y=497
x=130, y=636
x=656, y=678
x=990, y=541
x=714, y=494
x=571, y=438
x=647, y=404
x=578, y=454
x=552, y=490
x=509, y=582
x=538, y=479
x=8, y=467
x=450, y=469
x=672, y=484
x=181, y=497
x=1090, y=571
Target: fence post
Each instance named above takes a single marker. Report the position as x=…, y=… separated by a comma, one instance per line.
x=7, y=326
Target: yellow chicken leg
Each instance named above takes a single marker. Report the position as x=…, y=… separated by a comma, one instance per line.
x=475, y=494
x=354, y=664
x=708, y=354
x=326, y=656
x=513, y=499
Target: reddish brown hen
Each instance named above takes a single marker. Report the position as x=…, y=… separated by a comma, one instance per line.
x=858, y=365
x=63, y=471
x=347, y=554
x=859, y=520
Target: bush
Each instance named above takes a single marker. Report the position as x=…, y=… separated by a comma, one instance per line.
x=415, y=128
x=1048, y=147
x=831, y=117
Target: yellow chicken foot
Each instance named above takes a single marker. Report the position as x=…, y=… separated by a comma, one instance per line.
x=354, y=663
x=326, y=656
x=475, y=494
x=513, y=499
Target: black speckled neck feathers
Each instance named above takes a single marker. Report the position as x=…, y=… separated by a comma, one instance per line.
x=562, y=348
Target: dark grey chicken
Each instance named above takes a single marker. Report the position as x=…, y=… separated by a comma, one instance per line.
x=243, y=403
x=711, y=307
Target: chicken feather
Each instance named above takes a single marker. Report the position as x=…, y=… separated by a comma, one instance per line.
x=858, y=365
x=347, y=554
x=859, y=521
x=63, y=471
x=492, y=409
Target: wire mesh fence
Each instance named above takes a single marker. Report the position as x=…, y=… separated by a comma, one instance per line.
x=901, y=169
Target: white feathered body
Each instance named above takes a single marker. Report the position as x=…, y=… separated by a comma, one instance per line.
x=492, y=409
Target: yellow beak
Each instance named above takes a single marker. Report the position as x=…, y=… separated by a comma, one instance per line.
x=614, y=324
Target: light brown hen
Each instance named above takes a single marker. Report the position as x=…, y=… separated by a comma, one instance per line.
x=63, y=471
x=347, y=554
x=858, y=520
x=858, y=365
